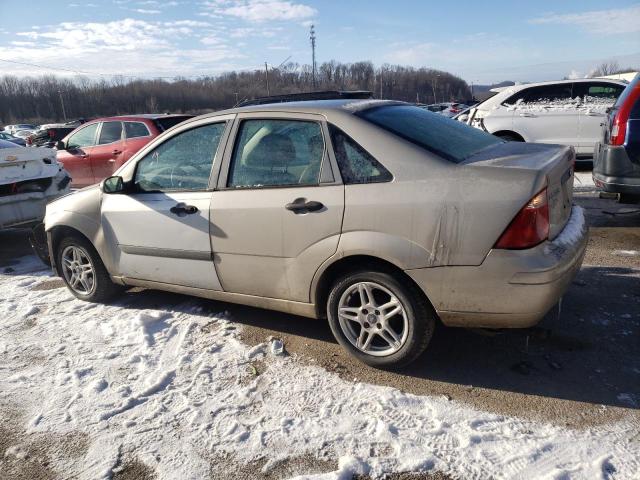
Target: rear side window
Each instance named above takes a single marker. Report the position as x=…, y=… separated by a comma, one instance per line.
x=450, y=139
x=165, y=123
x=277, y=153
x=135, y=129
x=111, y=132
x=355, y=163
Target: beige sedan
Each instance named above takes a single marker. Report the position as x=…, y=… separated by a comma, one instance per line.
x=380, y=216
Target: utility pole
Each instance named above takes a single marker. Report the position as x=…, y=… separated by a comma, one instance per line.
x=266, y=74
x=313, y=55
x=64, y=113
x=236, y=94
x=380, y=83
x=471, y=90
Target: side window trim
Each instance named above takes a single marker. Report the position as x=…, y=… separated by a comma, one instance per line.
x=328, y=160
x=215, y=165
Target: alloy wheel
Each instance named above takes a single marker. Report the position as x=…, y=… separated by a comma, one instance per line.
x=78, y=270
x=373, y=319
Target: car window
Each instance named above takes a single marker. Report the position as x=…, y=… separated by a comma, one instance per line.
x=543, y=94
x=450, y=139
x=276, y=153
x=165, y=123
x=587, y=91
x=182, y=162
x=111, y=132
x=136, y=129
x=355, y=163
x=83, y=138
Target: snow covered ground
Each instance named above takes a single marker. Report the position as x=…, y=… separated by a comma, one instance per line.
x=175, y=387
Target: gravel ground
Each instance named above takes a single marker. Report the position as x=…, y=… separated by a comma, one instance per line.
x=579, y=368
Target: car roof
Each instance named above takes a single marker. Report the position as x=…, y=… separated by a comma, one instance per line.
x=142, y=116
x=557, y=82
x=322, y=107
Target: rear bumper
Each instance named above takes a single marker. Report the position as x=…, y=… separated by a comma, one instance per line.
x=613, y=171
x=512, y=288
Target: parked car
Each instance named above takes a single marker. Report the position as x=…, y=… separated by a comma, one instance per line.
x=616, y=158
x=448, y=109
x=49, y=135
x=29, y=178
x=12, y=129
x=10, y=138
x=24, y=134
x=379, y=215
x=98, y=148
x=566, y=112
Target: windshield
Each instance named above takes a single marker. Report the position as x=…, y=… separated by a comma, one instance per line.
x=450, y=139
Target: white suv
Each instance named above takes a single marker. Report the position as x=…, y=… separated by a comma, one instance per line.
x=567, y=112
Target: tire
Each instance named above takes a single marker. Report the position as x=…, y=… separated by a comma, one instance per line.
x=97, y=286
x=628, y=198
x=415, y=321
x=509, y=137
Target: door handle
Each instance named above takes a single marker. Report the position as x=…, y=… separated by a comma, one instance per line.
x=116, y=152
x=526, y=114
x=595, y=114
x=300, y=205
x=112, y=160
x=181, y=209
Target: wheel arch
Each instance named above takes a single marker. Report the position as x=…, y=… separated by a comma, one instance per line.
x=510, y=133
x=353, y=263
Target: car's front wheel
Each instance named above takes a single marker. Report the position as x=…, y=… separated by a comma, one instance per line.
x=83, y=272
x=381, y=321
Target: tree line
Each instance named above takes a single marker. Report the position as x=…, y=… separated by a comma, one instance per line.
x=53, y=99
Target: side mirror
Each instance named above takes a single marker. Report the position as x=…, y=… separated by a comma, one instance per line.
x=60, y=145
x=113, y=185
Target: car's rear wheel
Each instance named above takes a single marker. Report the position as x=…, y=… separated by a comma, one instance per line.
x=378, y=319
x=83, y=272
x=509, y=137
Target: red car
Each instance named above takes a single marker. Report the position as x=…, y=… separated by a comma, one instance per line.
x=98, y=148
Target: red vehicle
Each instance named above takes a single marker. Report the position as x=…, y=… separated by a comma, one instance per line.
x=98, y=148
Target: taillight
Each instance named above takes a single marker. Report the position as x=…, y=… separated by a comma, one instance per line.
x=529, y=227
x=52, y=134
x=619, y=125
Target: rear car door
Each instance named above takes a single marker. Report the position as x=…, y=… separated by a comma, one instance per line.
x=105, y=155
x=76, y=156
x=161, y=226
x=547, y=114
x=277, y=213
x=595, y=99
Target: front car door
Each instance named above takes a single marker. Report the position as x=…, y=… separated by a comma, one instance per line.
x=76, y=156
x=161, y=227
x=277, y=213
x=547, y=114
x=107, y=151
x=595, y=99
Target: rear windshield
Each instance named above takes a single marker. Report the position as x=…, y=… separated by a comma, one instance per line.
x=452, y=140
x=165, y=123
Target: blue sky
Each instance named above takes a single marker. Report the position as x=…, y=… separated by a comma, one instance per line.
x=480, y=41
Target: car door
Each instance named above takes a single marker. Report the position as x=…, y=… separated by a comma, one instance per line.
x=105, y=155
x=547, y=114
x=595, y=99
x=76, y=155
x=277, y=212
x=161, y=226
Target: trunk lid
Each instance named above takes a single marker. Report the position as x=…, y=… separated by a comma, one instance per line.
x=550, y=165
x=21, y=163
